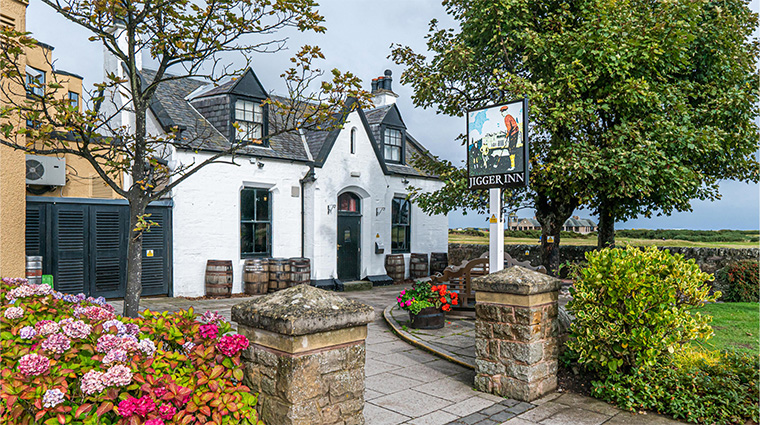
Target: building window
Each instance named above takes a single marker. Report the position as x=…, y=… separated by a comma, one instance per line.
x=35, y=82
x=255, y=222
x=249, y=117
x=74, y=99
x=400, y=225
x=348, y=202
x=353, y=140
x=393, y=145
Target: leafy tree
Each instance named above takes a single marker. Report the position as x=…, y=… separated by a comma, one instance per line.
x=185, y=39
x=637, y=107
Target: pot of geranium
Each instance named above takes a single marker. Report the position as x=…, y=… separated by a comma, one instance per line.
x=426, y=304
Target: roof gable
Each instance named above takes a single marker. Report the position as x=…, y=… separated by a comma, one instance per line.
x=247, y=85
x=393, y=117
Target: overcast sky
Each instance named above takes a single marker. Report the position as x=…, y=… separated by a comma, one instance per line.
x=358, y=39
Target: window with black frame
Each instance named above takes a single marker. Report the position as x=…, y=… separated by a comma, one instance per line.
x=249, y=117
x=393, y=145
x=74, y=99
x=400, y=225
x=255, y=222
x=35, y=82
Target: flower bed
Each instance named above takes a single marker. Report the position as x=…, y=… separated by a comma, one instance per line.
x=69, y=359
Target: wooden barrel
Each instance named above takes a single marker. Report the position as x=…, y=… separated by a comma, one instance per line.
x=218, y=278
x=427, y=318
x=438, y=262
x=394, y=266
x=256, y=276
x=34, y=269
x=279, y=274
x=300, y=271
x=418, y=266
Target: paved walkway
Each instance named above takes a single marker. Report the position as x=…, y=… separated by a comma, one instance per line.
x=407, y=385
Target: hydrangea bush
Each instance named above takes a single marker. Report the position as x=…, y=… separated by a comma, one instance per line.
x=69, y=359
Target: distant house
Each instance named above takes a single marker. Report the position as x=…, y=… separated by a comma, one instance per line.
x=573, y=224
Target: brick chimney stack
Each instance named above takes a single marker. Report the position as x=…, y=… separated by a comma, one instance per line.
x=382, y=93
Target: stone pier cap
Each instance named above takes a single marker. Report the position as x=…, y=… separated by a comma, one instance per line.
x=302, y=310
x=516, y=280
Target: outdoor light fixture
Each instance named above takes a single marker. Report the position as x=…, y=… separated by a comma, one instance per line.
x=331, y=208
x=405, y=181
x=259, y=163
x=379, y=210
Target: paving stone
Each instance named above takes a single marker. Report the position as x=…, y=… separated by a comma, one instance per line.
x=575, y=416
x=546, y=398
x=434, y=418
x=520, y=407
x=509, y=402
x=627, y=418
x=409, y=358
x=447, y=389
x=369, y=395
x=493, y=410
x=411, y=403
x=518, y=421
x=374, y=367
x=543, y=411
x=389, y=347
x=587, y=403
x=502, y=416
x=388, y=383
x=466, y=407
x=473, y=418
x=375, y=415
x=487, y=421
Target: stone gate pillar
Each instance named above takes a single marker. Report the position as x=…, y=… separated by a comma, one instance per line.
x=306, y=358
x=516, y=333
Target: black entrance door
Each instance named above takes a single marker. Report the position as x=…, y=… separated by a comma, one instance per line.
x=349, y=236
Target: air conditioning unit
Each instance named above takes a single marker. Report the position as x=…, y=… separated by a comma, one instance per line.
x=45, y=170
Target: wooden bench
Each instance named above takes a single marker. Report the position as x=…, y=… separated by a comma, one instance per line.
x=459, y=277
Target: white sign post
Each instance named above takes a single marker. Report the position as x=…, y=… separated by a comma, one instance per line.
x=496, y=239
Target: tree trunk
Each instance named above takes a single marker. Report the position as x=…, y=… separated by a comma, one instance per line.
x=134, y=260
x=606, y=236
x=550, y=247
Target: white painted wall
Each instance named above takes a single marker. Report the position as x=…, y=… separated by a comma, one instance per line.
x=206, y=216
x=428, y=234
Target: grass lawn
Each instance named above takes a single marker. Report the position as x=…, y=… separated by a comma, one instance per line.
x=483, y=240
x=735, y=326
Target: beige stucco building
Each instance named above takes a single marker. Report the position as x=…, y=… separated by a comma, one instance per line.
x=81, y=180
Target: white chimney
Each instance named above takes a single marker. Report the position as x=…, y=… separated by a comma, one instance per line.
x=382, y=94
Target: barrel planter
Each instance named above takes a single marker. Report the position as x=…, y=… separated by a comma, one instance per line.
x=34, y=269
x=219, y=278
x=300, y=271
x=438, y=262
x=394, y=267
x=279, y=274
x=256, y=276
x=418, y=266
x=427, y=318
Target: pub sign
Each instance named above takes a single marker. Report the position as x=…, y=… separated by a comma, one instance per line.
x=497, y=146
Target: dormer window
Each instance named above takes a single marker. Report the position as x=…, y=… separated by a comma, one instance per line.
x=249, y=116
x=393, y=145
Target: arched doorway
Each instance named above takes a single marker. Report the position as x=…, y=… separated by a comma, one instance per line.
x=349, y=236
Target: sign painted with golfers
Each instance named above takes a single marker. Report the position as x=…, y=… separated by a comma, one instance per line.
x=497, y=146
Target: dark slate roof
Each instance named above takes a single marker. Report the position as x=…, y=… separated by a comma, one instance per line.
x=171, y=109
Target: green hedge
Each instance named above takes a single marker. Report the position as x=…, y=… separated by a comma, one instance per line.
x=739, y=281
x=691, y=235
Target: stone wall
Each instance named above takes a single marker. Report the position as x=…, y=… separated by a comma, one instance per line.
x=328, y=386
x=708, y=259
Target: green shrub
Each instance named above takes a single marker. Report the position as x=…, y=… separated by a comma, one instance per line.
x=705, y=391
x=740, y=281
x=631, y=306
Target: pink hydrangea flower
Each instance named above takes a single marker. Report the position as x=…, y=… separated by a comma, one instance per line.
x=129, y=343
x=212, y=317
x=145, y=405
x=56, y=343
x=46, y=327
x=93, y=382
x=127, y=407
x=154, y=421
x=52, y=397
x=76, y=328
x=13, y=313
x=188, y=346
x=114, y=324
x=107, y=343
x=167, y=411
x=132, y=329
x=231, y=344
x=94, y=313
x=147, y=347
x=118, y=376
x=115, y=355
x=209, y=331
x=33, y=364
x=27, y=332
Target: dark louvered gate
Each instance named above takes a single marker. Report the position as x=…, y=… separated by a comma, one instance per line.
x=83, y=243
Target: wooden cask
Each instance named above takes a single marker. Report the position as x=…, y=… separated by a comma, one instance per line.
x=418, y=266
x=256, y=276
x=394, y=267
x=219, y=278
x=279, y=274
x=300, y=271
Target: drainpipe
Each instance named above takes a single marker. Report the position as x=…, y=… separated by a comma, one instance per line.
x=308, y=178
